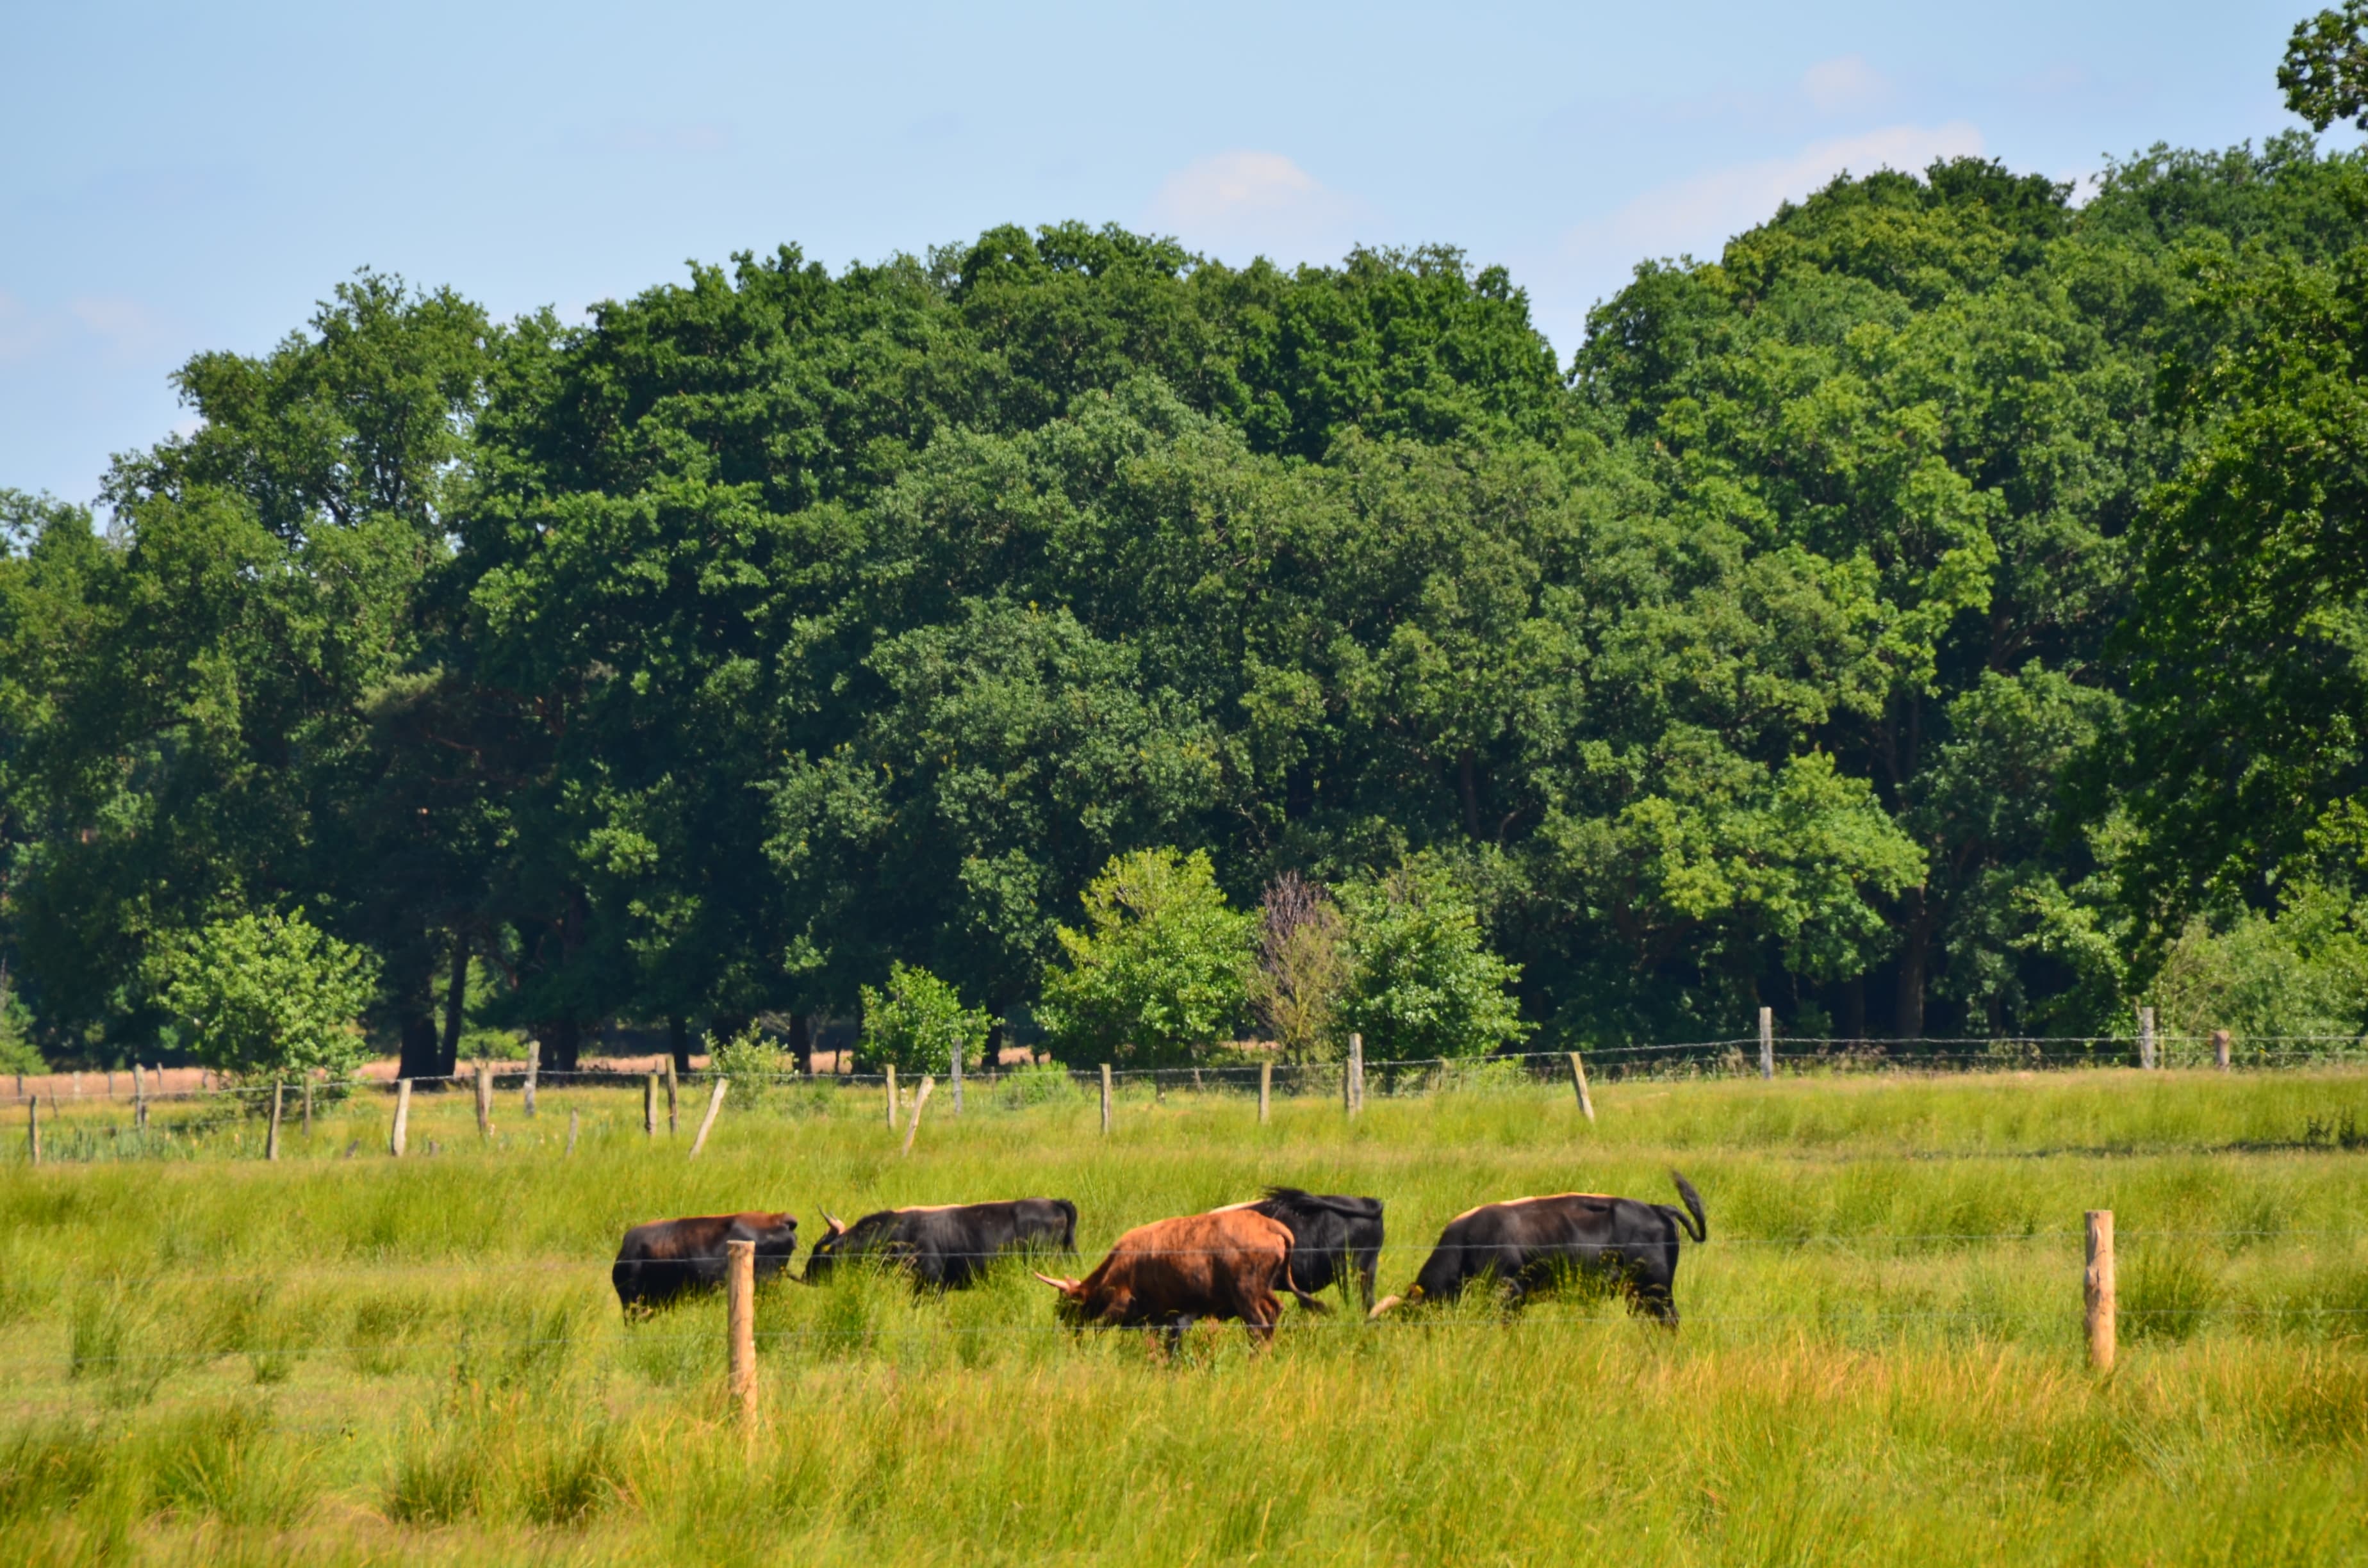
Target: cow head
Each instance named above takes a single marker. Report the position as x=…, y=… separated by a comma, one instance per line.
x=826, y=1248
x=1072, y=1305
x=776, y=1235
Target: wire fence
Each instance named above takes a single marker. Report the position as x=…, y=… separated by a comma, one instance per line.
x=1243, y=1074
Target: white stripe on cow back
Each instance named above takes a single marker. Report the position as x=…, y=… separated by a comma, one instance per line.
x=1540, y=1197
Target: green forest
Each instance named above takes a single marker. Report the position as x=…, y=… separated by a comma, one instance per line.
x=1940, y=615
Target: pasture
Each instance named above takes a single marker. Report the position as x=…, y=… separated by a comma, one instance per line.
x=334, y=1358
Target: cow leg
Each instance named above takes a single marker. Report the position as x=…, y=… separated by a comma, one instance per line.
x=1169, y=1336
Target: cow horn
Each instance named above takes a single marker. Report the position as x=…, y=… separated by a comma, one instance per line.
x=1064, y=1286
x=1384, y=1304
x=837, y=1226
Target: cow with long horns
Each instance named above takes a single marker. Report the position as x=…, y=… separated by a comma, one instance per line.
x=1163, y=1276
x=946, y=1246
x=1528, y=1243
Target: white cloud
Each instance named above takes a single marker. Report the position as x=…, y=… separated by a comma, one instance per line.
x=1698, y=215
x=128, y=328
x=124, y=330
x=1237, y=204
x=1846, y=82
x=20, y=331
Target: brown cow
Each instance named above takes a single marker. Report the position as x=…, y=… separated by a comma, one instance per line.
x=1164, y=1275
x=660, y=1260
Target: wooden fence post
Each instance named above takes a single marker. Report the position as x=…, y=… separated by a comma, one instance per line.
x=308, y=1102
x=1766, y=1042
x=533, y=1070
x=740, y=1323
x=954, y=1074
x=1266, y=1089
x=402, y=1118
x=33, y=1129
x=572, y=1124
x=1106, y=1087
x=715, y=1104
x=650, y=1107
x=1356, y=1074
x=484, y=1099
x=673, y=1096
x=892, y=1096
x=2097, y=1287
x=919, y=1099
x=139, y=1098
x=2220, y=1049
x=2146, y=1039
x=1578, y=1082
x=272, y=1139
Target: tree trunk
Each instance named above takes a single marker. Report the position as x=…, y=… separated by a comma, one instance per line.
x=678, y=1042
x=1468, y=785
x=1853, y=1019
x=563, y=1045
x=456, y=1002
x=801, y=1044
x=418, y=1057
x=995, y=1045
x=1907, y=1012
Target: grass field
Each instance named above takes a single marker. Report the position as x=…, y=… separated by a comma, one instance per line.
x=210, y=1359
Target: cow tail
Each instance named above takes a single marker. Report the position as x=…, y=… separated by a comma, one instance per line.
x=1068, y=1224
x=1310, y=1302
x=1699, y=1228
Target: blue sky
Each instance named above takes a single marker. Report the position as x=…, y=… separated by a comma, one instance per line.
x=177, y=178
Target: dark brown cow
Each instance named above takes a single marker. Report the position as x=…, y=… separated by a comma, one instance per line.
x=1528, y=1243
x=660, y=1260
x=1164, y=1275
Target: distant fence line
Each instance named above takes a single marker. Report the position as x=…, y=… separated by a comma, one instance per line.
x=1742, y=1056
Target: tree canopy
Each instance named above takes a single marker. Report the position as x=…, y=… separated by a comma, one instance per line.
x=1915, y=618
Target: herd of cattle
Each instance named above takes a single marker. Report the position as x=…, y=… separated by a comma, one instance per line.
x=1230, y=1264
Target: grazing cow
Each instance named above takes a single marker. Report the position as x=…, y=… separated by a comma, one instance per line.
x=660, y=1260
x=1528, y=1243
x=950, y=1246
x=1164, y=1275
x=1333, y=1237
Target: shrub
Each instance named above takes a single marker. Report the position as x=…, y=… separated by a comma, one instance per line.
x=2300, y=972
x=1303, y=966
x=1160, y=973
x=917, y=1024
x=268, y=997
x=750, y=1061
x=17, y=1053
x=1421, y=983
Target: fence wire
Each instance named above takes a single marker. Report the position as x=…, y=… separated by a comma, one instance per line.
x=1734, y=1057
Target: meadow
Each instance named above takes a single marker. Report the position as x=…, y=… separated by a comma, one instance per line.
x=347, y=1358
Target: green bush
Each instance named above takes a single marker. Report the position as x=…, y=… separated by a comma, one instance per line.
x=268, y=998
x=1303, y=966
x=1162, y=971
x=1421, y=983
x=18, y=1054
x=750, y=1061
x=2300, y=972
x=917, y=1024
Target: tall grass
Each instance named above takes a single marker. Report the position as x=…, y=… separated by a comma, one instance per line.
x=212, y=1358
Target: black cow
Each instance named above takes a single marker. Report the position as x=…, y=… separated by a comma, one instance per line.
x=950, y=1246
x=660, y=1260
x=1332, y=1236
x=1528, y=1243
